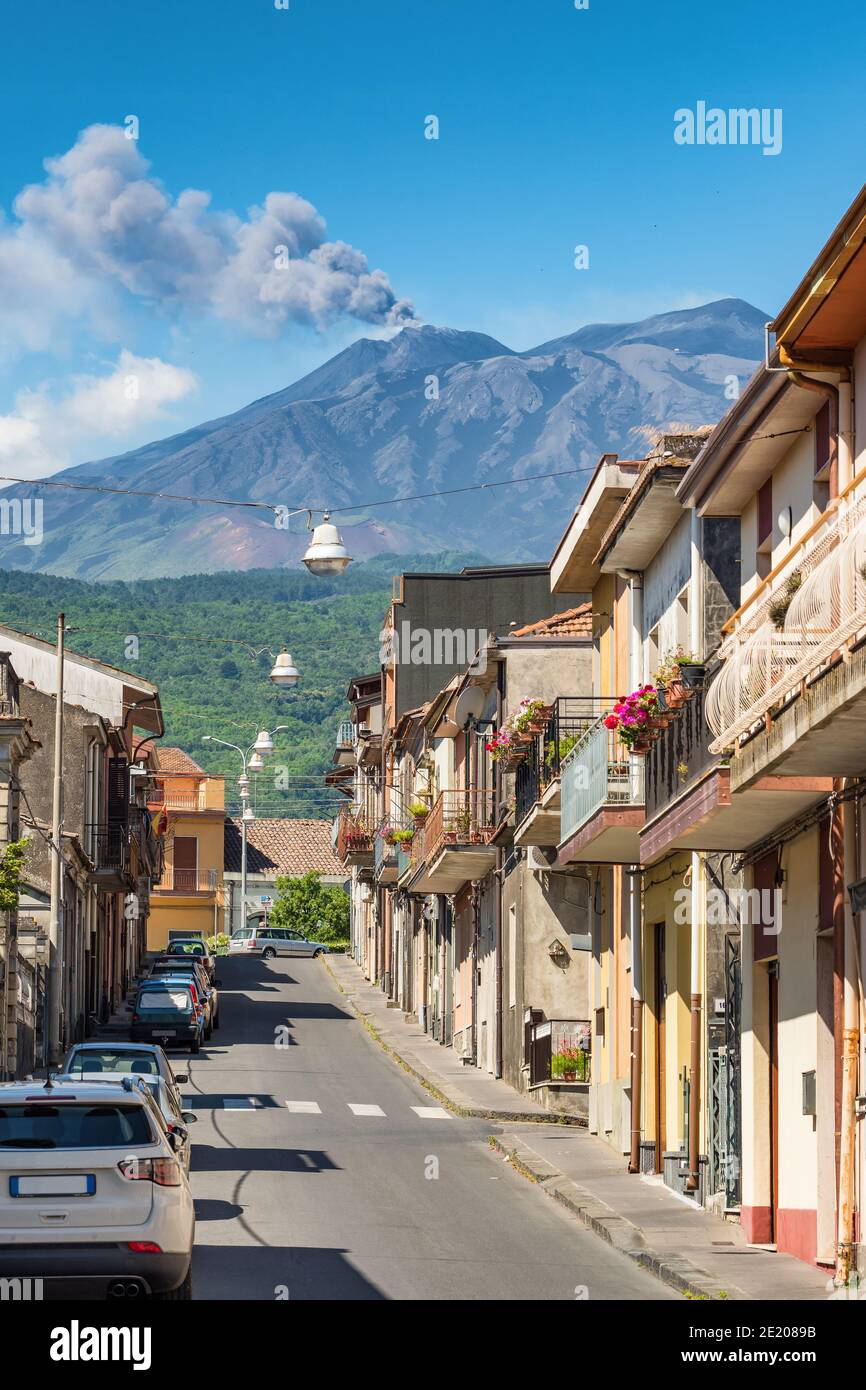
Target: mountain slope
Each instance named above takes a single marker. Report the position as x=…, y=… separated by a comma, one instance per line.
x=431, y=409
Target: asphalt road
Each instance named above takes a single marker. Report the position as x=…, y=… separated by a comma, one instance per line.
x=322, y=1171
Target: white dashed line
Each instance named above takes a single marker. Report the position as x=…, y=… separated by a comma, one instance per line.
x=303, y=1107
x=431, y=1112
x=366, y=1109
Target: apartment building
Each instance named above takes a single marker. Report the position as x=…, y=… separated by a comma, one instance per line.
x=187, y=806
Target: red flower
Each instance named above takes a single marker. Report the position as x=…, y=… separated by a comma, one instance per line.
x=611, y=721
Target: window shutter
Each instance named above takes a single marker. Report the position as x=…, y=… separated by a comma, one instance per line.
x=118, y=790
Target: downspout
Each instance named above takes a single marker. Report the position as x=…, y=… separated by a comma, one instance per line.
x=840, y=396
x=635, y=906
x=698, y=884
x=500, y=676
x=850, y=1047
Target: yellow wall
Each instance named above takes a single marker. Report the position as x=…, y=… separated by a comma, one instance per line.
x=192, y=912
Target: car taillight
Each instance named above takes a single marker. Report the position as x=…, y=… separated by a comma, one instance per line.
x=144, y=1247
x=165, y=1172
x=136, y=1018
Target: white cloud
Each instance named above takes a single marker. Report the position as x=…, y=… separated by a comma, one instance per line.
x=44, y=431
x=98, y=224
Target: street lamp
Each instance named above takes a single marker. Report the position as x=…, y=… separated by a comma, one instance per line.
x=252, y=761
x=285, y=672
x=264, y=744
x=326, y=553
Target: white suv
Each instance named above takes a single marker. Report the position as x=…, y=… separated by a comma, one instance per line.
x=92, y=1196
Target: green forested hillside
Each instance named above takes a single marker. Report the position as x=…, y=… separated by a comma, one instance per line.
x=330, y=626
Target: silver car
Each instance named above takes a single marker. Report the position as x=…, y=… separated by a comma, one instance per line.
x=118, y=1059
x=175, y=1120
x=273, y=941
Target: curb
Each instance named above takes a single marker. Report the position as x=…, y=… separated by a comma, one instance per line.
x=464, y=1111
x=618, y=1231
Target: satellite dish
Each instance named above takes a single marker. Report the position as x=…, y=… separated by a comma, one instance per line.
x=469, y=705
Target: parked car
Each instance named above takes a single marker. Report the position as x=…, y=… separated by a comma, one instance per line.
x=166, y=1011
x=203, y=994
x=193, y=946
x=175, y=1120
x=113, y=1214
x=190, y=965
x=273, y=941
x=124, y=1058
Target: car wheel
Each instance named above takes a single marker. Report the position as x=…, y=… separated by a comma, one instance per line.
x=216, y=1022
x=183, y=1291
x=316, y=955
x=268, y=953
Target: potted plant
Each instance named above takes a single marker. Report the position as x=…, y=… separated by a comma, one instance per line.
x=386, y=833
x=565, y=1062
x=671, y=677
x=403, y=838
x=633, y=719
x=419, y=811
x=778, y=609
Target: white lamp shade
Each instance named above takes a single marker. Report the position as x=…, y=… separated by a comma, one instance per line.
x=285, y=671
x=326, y=553
x=256, y=762
x=248, y=815
x=264, y=744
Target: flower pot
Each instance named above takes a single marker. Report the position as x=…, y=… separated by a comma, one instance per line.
x=420, y=819
x=569, y=1076
x=692, y=674
x=641, y=746
x=674, y=694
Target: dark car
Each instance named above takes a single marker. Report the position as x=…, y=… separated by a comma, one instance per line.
x=193, y=946
x=120, y=1059
x=191, y=966
x=166, y=1012
x=202, y=994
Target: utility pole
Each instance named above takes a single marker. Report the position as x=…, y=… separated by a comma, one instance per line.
x=55, y=963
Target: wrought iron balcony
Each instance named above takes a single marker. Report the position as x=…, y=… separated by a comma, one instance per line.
x=454, y=847
x=602, y=799
x=188, y=881
x=536, y=783
x=384, y=857
x=558, y=1050
x=354, y=839
x=679, y=756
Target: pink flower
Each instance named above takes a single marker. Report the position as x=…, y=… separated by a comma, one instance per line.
x=642, y=716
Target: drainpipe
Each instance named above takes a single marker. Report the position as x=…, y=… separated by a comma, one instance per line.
x=840, y=396
x=498, y=877
x=850, y=1047
x=698, y=884
x=635, y=903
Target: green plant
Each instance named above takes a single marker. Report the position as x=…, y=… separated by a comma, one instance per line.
x=317, y=910
x=218, y=945
x=404, y=837
x=418, y=808
x=11, y=864
x=778, y=609
x=682, y=771
x=669, y=668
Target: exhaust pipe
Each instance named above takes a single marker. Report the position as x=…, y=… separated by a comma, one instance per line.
x=125, y=1288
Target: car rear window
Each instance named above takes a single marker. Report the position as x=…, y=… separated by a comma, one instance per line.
x=164, y=999
x=73, y=1126
x=143, y=1063
x=185, y=948
x=243, y=935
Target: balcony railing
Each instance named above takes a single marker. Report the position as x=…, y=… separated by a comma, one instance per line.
x=177, y=801
x=346, y=737
x=109, y=846
x=598, y=772
x=772, y=653
x=679, y=756
x=572, y=716
x=463, y=816
x=384, y=858
x=354, y=838
x=559, y=1050
x=188, y=881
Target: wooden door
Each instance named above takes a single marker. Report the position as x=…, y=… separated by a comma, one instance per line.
x=774, y=1098
x=660, y=996
x=185, y=863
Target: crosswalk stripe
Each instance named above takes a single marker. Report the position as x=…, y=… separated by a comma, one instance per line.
x=431, y=1112
x=238, y=1103
x=303, y=1107
x=366, y=1109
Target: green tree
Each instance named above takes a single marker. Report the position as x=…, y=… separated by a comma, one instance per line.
x=11, y=864
x=317, y=910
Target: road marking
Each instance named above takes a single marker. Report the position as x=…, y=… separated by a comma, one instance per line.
x=238, y=1103
x=303, y=1107
x=366, y=1109
x=431, y=1112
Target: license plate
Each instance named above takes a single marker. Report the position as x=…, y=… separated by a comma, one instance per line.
x=166, y=1033
x=53, y=1185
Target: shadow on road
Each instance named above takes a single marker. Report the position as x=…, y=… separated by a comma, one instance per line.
x=206, y=1158
x=278, y=1273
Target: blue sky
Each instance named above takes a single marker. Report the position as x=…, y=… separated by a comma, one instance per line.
x=556, y=128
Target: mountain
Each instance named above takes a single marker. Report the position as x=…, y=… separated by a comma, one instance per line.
x=430, y=410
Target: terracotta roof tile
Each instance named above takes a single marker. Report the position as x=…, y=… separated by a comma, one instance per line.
x=175, y=763
x=573, y=622
x=291, y=847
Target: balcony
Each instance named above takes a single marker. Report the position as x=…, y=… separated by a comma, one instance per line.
x=159, y=798
x=188, y=881
x=384, y=858
x=108, y=845
x=790, y=697
x=454, y=845
x=537, y=781
x=602, y=801
x=354, y=840
x=345, y=745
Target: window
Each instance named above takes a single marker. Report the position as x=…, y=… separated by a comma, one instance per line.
x=765, y=516
x=69, y=1126
x=105, y=1059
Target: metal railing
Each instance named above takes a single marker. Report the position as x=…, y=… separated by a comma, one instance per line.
x=346, y=734
x=462, y=816
x=679, y=756
x=817, y=604
x=188, y=881
x=353, y=835
x=571, y=716
x=177, y=801
x=109, y=845
x=559, y=1050
x=598, y=772
x=384, y=854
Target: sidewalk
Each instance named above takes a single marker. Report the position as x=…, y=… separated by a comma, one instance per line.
x=683, y=1244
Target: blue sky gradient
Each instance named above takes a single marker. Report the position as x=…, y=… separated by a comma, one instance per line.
x=556, y=129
